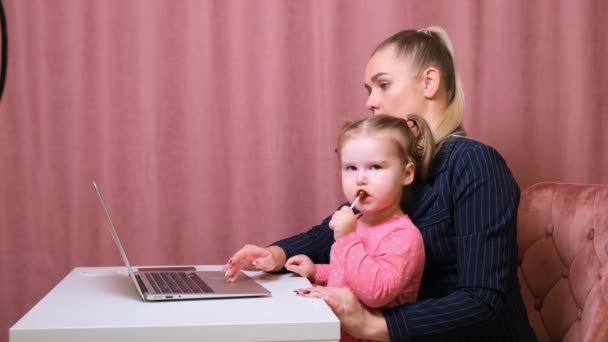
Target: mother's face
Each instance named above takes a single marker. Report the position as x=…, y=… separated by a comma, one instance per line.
x=393, y=86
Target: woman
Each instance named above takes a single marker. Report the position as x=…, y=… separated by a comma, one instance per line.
x=466, y=213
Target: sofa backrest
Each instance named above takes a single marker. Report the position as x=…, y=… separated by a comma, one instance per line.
x=563, y=260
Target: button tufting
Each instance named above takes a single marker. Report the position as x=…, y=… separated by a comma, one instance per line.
x=579, y=314
x=599, y=276
x=565, y=272
x=520, y=260
x=538, y=304
x=549, y=229
x=590, y=234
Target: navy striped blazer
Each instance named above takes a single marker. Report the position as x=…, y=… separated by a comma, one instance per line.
x=467, y=213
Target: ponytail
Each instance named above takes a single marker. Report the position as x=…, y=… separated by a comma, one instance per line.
x=454, y=112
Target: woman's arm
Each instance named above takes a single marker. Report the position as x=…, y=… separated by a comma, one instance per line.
x=252, y=258
x=314, y=243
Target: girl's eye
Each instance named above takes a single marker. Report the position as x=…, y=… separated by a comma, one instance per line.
x=376, y=167
x=350, y=168
x=384, y=85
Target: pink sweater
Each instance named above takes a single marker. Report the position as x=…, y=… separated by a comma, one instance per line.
x=381, y=264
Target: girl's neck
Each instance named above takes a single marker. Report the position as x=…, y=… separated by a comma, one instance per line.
x=376, y=218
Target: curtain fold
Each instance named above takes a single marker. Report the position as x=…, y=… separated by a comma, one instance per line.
x=211, y=124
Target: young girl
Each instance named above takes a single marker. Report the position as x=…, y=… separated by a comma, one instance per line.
x=379, y=253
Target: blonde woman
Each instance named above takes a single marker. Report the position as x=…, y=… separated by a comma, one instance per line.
x=466, y=212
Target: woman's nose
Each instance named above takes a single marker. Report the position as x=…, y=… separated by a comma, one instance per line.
x=372, y=103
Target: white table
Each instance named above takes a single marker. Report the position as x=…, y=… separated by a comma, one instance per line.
x=100, y=304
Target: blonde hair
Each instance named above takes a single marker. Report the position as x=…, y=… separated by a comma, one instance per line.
x=432, y=47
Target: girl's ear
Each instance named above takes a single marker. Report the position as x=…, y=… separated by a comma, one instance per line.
x=431, y=79
x=408, y=173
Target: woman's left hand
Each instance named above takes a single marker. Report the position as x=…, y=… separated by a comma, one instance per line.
x=355, y=319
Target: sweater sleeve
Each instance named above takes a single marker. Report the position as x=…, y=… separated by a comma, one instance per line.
x=322, y=273
x=394, y=267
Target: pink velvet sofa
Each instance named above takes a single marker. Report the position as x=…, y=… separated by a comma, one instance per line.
x=563, y=260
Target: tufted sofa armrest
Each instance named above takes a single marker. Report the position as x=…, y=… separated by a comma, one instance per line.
x=563, y=260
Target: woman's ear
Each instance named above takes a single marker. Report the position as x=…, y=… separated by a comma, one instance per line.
x=408, y=173
x=431, y=79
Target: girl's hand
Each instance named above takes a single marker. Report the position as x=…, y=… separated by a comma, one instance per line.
x=343, y=222
x=302, y=265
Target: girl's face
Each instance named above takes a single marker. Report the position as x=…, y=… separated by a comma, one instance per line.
x=371, y=163
x=393, y=86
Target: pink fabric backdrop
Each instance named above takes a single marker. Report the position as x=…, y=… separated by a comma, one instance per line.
x=210, y=124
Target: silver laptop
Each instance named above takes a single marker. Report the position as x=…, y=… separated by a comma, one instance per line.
x=182, y=282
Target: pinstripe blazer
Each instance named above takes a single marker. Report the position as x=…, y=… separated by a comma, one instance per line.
x=467, y=214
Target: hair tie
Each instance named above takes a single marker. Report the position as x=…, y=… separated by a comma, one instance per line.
x=411, y=124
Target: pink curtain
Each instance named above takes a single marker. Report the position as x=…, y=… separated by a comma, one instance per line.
x=211, y=124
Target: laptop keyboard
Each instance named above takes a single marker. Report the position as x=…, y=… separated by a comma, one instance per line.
x=177, y=282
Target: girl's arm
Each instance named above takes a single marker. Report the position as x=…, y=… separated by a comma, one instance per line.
x=322, y=274
x=395, y=268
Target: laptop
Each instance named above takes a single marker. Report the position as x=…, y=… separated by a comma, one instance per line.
x=181, y=282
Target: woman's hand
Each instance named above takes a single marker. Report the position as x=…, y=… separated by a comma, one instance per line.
x=343, y=222
x=302, y=265
x=254, y=258
x=355, y=319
